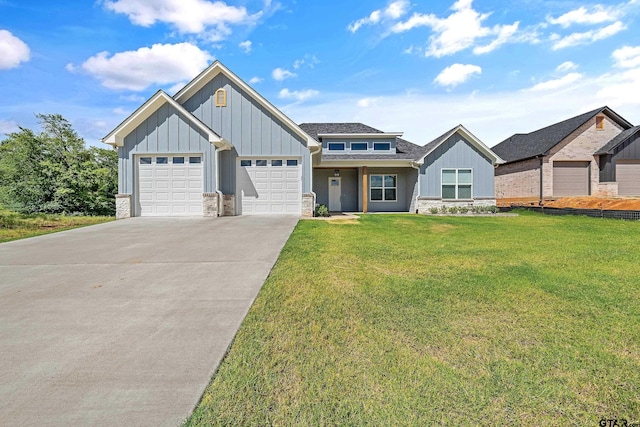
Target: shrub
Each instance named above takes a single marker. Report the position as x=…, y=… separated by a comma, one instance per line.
x=322, y=210
x=492, y=209
x=453, y=210
x=463, y=209
x=443, y=209
x=433, y=210
x=477, y=209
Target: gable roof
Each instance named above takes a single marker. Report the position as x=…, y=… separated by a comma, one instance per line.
x=405, y=150
x=218, y=68
x=468, y=136
x=617, y=140
x=116, y=136
x=538, y=143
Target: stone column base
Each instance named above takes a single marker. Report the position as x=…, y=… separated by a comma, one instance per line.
x=308, y=205
x=229, y=204
x=210, y=204
x=123, y=206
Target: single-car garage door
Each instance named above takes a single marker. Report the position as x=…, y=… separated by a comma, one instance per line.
x=570, y=178
x=269, y=186
x=628, y=178
x=170, y=185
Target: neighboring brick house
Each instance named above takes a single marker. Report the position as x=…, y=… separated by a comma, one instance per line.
x=589, y=154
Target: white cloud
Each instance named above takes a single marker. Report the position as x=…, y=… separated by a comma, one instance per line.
x=621, y=89
x=456, y=74
x=308, y=60
x=161, y=64
x=13, y=51
x=281, y=74
x=557, y=83
x=566, y=66
x=246, y=46
x=298, y=95
x=120, y=111
x=393, y=11
x=458, y=31
x=368, y=102
x=255, y=80
x=627, y=57
x=597, y=15
x=8, y=126
x=588, y=36
x=210, y=19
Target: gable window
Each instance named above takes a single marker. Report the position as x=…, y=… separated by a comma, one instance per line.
x=381, y=146
x=336, y=146
x=599, y=122
x=359, y=146
x=457, y=184
x=384, y=188
x=221, y=98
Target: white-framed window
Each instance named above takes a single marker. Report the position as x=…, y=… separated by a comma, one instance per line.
x=383, y=188
x=381, y=146
x=457, y=184
x=335, y=146
x=359, y=146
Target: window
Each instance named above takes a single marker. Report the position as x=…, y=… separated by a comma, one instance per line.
x=599, y=122
x=221, y=98
x=381, y=146
x=162, y=160
x=292, y=163
x=261, y=163
x=145, y=160
x=384, y=188
x=245, y=162
x=276, y=162
x=336, y=146
x=178, y=160
x=195, y=160
x=359, y=146
x=456, y=184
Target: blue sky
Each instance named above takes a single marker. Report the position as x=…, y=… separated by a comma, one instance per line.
x=418, y=67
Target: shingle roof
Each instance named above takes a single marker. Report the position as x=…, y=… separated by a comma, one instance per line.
x=405, y=150
x=618, y=139
x=524, y=146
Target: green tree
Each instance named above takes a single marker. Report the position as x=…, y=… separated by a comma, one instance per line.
x=53, y=171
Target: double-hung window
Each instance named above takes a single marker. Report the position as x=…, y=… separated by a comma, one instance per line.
x=457, y=184
x=384, y=188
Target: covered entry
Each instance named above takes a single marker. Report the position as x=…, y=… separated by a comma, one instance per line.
x=570, y=178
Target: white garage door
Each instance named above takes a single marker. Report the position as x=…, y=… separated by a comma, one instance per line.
x=628, y=177
x=570, y=178
x=269, y=186
x=170, y=185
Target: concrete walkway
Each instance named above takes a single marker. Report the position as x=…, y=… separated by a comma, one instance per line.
x=124, y=323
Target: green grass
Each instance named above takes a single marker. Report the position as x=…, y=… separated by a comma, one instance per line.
x=416, y=320
x=15, y=226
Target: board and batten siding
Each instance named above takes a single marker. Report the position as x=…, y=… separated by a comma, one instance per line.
x=457, y=153
x=252, y=130
x=166, y=131
x=628, y=150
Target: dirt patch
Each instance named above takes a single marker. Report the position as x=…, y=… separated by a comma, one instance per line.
x=619, y=204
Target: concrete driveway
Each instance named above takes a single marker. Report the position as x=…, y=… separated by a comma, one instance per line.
x=125, y=323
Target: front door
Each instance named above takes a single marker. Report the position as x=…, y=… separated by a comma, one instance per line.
x=335, y=189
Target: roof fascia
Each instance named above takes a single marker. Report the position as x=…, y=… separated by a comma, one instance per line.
x=218, y=68
x=361, y=135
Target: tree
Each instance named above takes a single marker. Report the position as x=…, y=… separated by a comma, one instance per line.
x=53, y=171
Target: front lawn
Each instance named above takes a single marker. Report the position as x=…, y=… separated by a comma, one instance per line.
x=15, y=226
x=417, y=320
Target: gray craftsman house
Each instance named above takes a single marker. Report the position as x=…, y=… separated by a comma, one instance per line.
x=596, y=153
x=217, y=147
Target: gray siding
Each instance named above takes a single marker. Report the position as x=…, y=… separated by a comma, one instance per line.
x=166, y=131
x=405, y=185
x=629, y=150
x=349, y=187
x=456, y=152
x=251, y=129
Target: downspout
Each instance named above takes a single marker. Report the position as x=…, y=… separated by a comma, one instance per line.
x=416, y=166
x=318, y=150
x=541, y=175
x=217, y=186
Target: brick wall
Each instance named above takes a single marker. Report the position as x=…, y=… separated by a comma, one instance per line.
x=519, y=179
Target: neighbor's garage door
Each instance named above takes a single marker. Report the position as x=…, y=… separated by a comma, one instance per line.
x=269, y=186
x=570, y=178
x=170, y=185
x=628, y=178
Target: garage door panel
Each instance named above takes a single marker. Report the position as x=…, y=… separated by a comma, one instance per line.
x=269, y=189
x=628, y=178
x=570, y=179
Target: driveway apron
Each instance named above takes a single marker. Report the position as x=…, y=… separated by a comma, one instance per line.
x=124, y=323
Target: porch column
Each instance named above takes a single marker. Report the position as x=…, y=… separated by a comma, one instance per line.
x=365, y=188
